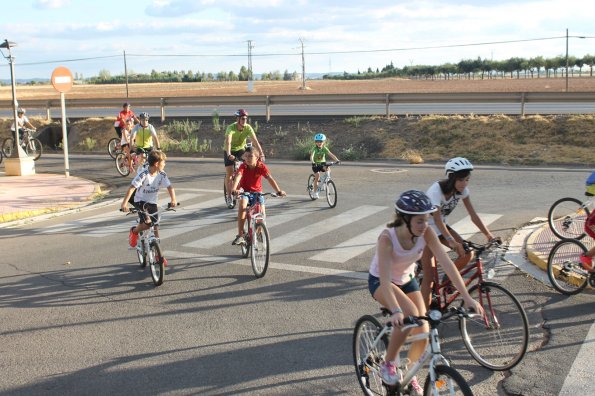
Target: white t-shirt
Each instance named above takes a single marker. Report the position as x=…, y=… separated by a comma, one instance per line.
x=402, y=261
x=446, y=206
x=147, y=186
x=21, y=121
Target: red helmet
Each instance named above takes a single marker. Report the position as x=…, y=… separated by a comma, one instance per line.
x=241, y=113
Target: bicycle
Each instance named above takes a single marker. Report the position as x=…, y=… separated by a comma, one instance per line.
x=256, y=234
x=114, y=147
x=31, y=145
x=565, y=270
x=325, y=184
x=370, y=341
x=567, y=217
x=148, y=249
x=498, y=340
x=124, y=167
x=231, y=203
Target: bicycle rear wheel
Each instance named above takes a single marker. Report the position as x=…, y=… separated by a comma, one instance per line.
x=367, y=356
x=497, y=340
x=310, y=187
x=34, y=149
x=8, y=147
x=111, y=147
x=567, y=217
x=331, y=194
x=156, y=264
x=564, y=268
x=259, y=243
x=448, y=382
x=122, y=165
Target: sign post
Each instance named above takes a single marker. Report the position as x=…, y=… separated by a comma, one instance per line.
x=62, y=82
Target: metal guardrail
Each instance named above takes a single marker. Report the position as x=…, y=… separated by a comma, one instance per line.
x=312, y=99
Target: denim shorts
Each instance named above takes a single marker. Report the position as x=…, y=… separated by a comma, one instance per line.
x=252, y=199
x=409, y=287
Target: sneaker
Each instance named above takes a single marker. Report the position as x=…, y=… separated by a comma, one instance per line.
x=389, y=373
x=165, y=262
x=239, y=240
x=414, y=388
x=316, y=195
x=229, y=202
x=587, y=262
x=132, y=238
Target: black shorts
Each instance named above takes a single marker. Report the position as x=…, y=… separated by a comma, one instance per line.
x=409, y=287
x=151, y=210
x=318, y=168
x=238, y=154
x=118, y=131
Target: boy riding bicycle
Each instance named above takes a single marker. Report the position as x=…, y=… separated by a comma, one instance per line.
x=318, y=159
x=248, y=178
x=147, y=185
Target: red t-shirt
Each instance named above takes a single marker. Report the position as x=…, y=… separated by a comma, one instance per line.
x=251, y=178
x=124, y=116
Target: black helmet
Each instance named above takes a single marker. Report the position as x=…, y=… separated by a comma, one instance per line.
x=414, y=202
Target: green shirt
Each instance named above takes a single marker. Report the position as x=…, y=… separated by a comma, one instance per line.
x=238, y=138
x=320, y=154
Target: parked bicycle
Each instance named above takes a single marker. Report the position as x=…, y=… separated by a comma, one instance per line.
x=31, y=145
x=497, y=340
x=567, y=217
x=565, y=270
x=148, y=250
x=256, y=234
x=114, y=147
x=231, y=203
x=325, y=184
x=370, y=341
x=124, y=167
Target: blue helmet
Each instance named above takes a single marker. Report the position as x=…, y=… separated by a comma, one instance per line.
x=320, y=137
x=414, y=203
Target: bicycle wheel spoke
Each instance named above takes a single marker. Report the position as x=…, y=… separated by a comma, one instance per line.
x=564, y=269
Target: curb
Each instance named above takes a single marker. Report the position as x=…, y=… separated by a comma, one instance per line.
x=534, y=257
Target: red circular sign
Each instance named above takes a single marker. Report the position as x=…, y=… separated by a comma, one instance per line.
x=62, y=79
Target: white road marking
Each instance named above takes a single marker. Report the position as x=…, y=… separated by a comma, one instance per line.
x=580, y=376
x=350, y=248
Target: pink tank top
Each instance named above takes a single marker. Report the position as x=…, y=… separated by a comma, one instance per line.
x=403, y=261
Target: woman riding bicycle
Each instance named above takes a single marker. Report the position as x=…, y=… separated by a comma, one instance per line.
x=445, y=195
x=392, y=281
x=236, y=135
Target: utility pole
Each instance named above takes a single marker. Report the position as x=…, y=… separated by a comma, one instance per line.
x=126, y=73
x=250, y=82
x=303, y=66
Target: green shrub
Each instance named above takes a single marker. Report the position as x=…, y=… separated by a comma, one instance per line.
x=302, y=148
x=353, y=153
x=215, y=118
x=89, y=143
x=183, y=129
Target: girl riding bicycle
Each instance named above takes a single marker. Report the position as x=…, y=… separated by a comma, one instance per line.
x=248, y=178
x=392, y=282
x=318, y=158
x=445, y=195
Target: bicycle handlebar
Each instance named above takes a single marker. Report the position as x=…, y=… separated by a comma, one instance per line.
x=433, y=315
x=259, y=194
x=480, y=248
x=167, y=208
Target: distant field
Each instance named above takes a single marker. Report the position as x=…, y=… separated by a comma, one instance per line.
x=391, y=85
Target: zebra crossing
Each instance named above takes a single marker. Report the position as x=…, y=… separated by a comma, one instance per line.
x=204, y=217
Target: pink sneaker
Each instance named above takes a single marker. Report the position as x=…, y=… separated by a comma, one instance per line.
x=414, y=388
x=587, y=262
x=389, y=373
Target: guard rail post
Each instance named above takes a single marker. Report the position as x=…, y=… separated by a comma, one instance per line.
x=268, y=108
x=522, y=104
x=47, y=110
x=162, y=104
x=387, y=105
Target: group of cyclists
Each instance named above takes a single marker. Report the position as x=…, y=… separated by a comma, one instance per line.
x=417, y=232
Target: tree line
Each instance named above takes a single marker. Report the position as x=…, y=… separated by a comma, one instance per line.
x=480, y=68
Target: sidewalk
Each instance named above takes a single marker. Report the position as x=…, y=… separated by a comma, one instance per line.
x=27, y=196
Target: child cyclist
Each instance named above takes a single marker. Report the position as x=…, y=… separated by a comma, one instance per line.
x=392, y=281
x=147, y=185
x=126, y=139
x=445, y=195
x=318, y=158
x=249, y=179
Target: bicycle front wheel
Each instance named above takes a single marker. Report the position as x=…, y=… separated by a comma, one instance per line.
x=34, y=149
x=565, y=269
x=230, y=202
x=112, y=147
x=367, y=356
x=8, y=147
x=497, y=340
x=245, y=247
x=567, y=217
x=156, y=264
x=331, y=194
x=448, y=382
x=310, y=187
x=260, y=250
x=122, y=164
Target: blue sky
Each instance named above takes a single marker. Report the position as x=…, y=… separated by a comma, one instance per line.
x=173, y=32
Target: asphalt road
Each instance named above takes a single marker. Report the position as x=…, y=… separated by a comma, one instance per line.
x=79, y=316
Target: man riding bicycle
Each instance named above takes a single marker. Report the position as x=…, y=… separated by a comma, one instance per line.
x=143, y=136
x=236, y=135
x=22, y=122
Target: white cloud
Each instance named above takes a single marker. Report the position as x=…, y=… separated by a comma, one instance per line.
x=51, y=3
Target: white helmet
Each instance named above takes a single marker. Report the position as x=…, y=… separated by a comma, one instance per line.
x=457, y=164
